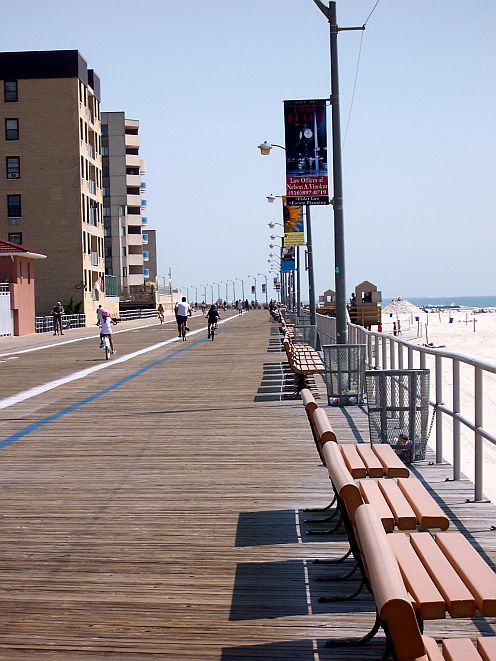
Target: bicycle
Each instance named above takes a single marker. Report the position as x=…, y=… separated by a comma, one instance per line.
x=106, y=345
x=183, y=331
x=211, y=332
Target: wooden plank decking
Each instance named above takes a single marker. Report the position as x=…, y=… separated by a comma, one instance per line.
x=162, y=519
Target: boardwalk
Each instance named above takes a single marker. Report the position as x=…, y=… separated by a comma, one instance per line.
x=153, y=509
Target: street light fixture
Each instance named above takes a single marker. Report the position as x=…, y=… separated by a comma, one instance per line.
x=255, y=281
x=234, y=290
x=211, y=292
x=242, y=287
x=265, y=151
x=266, y=293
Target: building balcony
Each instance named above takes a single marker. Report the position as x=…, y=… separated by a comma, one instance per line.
x=133, y=219
x=133, y=201
x=135, y=260
x=134, y=240
x=132, y=161
x=133, y=180
x=132, y=140
x=135, y=280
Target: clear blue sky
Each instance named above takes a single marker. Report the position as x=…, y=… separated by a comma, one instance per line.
x=207, y=78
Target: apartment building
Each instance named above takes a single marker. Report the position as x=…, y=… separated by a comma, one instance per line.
x=51, y=172
x=123, y=204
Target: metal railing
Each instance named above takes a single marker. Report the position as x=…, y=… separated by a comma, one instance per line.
x=126, y=315
x=44, y=323
x=462, y=388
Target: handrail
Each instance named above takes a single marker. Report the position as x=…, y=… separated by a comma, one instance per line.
x=384, y=351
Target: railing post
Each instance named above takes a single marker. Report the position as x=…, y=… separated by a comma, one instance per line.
x=439, y=399
x=384, y=353
x=410, y=358
x=400, y=356
x=392, y=360
x=456, y=422
x=478, y=479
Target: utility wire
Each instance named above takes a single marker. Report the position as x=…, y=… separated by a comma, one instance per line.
x=356, y=74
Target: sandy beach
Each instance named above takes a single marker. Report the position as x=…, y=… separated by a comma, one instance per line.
x=462, y=332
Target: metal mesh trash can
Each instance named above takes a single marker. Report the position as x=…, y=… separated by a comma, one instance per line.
x=345, y=373
x=305, y=334
x=398, y=405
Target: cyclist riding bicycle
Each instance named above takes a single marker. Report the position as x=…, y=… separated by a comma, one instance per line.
x=213, y=316
x=106, y=329
x=183, y=311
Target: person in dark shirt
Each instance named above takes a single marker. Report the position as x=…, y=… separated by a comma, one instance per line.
x=57, y=312
x=213, y=316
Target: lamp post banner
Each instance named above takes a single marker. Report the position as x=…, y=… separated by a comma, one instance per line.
x=294, y=234
x=287, y=259
x=306, y=152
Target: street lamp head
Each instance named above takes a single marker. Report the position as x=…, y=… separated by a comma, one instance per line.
x=271, y=199
x=272, y=225
x=265, y=148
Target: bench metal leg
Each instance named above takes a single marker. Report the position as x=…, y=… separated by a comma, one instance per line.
x=327, y=531
x=321, y=509
x=325, y=519
x=351, y=642
x=332, y=561
x=340, y=577
x=346, y=597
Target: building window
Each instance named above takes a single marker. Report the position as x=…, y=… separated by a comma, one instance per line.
x=12, y=129
x=104, y=130
x=14, y=206
x=124, y=251
x=145, y=237
x=10, y=90
x=146, y=273
x=13, y=167
x=15, y=237
x=124, y=271
x=105, y=151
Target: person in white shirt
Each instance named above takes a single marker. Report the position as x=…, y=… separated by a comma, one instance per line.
x=183, y=311
x=106, y=329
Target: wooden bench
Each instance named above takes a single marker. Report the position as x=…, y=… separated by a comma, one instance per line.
x=402, y=503
x=303, y=361
x=423, y=577
x=362, y=459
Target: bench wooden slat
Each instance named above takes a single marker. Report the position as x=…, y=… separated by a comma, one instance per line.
x=353, y=461
x=433, y=650
x=402, y=510
x=323, y=426
x=393, y=466
x=459, y=601
x=487, y=648
x=460, y=649
x=308, y=400
x=391, y=598
x=371, y=460
x=428, y=600
x=476, y=574
x=428, y=512
x=340, y=476
x=374, y=496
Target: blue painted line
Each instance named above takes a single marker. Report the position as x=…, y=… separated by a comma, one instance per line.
x=87, y=400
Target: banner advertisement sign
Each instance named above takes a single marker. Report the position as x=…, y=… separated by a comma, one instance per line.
x=293, y=226
x=306, y=152
x=287, y=259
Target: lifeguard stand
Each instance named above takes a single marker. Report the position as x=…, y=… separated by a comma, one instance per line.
x=328, y=302
x=365, y=309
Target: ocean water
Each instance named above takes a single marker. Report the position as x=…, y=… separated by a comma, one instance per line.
x=462, y=301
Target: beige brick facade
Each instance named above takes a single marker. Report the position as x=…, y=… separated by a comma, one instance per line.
x=60, y=184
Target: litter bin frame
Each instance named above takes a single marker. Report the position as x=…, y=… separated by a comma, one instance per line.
x=345, y=373
x=398, y=410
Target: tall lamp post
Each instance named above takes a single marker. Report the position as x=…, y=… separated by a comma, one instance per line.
x=265, y=148
x=218, y=290
x=211, y=292
x=266, y=294
x=234, y=289
x=242, y=288
x=204, y=293
x=196, y=292
x=255, y=281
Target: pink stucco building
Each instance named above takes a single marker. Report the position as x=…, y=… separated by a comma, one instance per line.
x=17, y=309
